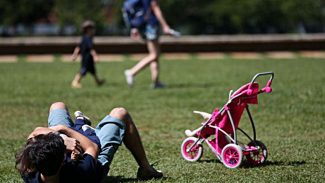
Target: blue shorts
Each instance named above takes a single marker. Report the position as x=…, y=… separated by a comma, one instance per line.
x=109, y=130
x=149, y=32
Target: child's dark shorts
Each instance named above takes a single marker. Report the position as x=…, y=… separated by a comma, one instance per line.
x=87, y=66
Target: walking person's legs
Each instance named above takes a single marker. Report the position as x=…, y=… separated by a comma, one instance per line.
x=151, y=58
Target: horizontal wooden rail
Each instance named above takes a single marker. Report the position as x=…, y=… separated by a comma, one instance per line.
x=117, y=45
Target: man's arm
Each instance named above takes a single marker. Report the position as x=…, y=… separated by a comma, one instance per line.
x=157, y=11
x=71, y=144
x=40, y=130
x=87, y=145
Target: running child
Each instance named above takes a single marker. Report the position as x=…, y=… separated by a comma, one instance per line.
x=88, y=55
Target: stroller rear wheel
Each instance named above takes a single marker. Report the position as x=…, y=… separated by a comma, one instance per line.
x=232, y=156
x=259, y=156
x=193, y=154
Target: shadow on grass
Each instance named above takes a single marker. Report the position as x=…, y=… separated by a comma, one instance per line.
x=276, y=163
x=267, y=163
x=116, y=179
x=282, y=163
x=191, y=85
x=209, y=161
x=114, y=84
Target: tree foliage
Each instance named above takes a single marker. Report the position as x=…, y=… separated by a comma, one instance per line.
x=24, y=11
x=251, y=16
x=189, y=16
x=76, y=11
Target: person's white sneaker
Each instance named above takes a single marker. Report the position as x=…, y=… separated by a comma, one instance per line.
x=129, y=78
x=80, y=115
x=86, y=127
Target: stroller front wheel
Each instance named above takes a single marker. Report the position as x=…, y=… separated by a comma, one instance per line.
x=232, y=156
x=193, y=154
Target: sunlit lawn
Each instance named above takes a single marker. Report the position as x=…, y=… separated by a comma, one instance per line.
x=290, y=121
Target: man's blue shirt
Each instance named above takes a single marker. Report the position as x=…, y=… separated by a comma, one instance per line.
x=85, y=170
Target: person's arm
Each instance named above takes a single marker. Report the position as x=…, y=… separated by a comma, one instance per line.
x=39, y=130
x=135, y=35
x=157, y=11
x=72, y=145
x=75, y=53
x=94, y=54
x=87, y=145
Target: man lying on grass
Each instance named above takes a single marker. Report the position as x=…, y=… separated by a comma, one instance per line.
x=43, y=158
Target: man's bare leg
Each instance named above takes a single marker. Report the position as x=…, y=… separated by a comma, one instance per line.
x=133, y=142
x=58, y=105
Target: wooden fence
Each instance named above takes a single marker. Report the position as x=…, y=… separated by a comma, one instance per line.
x=184, y=44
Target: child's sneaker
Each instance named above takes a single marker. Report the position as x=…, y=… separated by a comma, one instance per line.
x=87, y=127
x=129, y=78
x=101, y=82
x=80, y=115
x=143, y=174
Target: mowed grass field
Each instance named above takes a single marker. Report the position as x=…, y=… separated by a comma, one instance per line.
x=290, y=120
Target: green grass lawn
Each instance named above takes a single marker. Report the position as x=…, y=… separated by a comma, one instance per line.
x=290, y=120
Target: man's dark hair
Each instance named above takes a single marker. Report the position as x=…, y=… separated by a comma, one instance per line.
x=43, y=153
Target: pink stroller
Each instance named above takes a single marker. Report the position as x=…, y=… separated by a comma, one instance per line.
x=219, y=129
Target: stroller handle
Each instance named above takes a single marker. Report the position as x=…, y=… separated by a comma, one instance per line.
x=267, y=88
x=263, y=74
